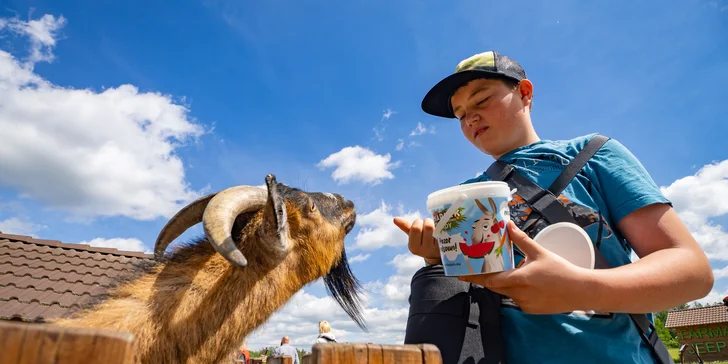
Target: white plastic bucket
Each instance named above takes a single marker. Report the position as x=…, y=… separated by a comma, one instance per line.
x=470, y=227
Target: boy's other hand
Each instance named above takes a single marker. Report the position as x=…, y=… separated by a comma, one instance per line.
x=421, y=242
x=545, y=284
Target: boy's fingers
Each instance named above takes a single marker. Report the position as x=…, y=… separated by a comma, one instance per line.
x=402, y=224
x=415, y=236
x=428, y=228
x=523, y=241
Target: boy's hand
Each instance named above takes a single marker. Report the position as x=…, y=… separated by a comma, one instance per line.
x=421, y=241
x=545, y=284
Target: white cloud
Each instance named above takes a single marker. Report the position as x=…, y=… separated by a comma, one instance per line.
x=699, y=198
x=42, y=34
x=720, y=273
x=400, y=144
x=128, y=244
x=378, y=133
x=396, y=290
x=300, y=316
x=359, y=258
x=358, y=163
x=90, y=153
x=711, y=298
x=387, y=114
x=421, y=129
x=20, y=226
x=377, y=229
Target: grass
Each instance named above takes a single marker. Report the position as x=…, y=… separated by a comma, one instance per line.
x=676, y=357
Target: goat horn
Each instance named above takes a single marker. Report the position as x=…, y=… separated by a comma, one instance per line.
x=189, y=216
x=220, y=214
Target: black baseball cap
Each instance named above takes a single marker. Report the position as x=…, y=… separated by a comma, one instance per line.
x=488, y=64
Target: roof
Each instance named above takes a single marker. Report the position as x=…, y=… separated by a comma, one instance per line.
x=697, y=316
x=47, y=279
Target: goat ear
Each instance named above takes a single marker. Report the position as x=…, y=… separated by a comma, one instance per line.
x=276, y=203
x=275, y=220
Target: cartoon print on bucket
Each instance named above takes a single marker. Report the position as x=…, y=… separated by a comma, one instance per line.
x=474, y=239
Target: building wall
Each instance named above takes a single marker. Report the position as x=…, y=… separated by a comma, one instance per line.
x=711, y=341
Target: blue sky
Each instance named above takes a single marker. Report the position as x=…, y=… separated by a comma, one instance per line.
x=327, y=97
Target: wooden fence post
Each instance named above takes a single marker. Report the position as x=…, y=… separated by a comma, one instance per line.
x=282, y=359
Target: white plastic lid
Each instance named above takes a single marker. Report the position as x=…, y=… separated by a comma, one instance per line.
x=569, y=241
x=469, y=190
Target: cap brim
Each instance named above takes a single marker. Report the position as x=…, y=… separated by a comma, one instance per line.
x=437, y=100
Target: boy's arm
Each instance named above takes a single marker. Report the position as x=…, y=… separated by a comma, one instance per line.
x=672, y=269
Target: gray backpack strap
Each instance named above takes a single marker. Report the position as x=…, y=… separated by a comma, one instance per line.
x=545, y=204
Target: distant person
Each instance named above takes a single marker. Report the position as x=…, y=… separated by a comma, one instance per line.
x=286, y=349
x=243, y=355
x=325, y=334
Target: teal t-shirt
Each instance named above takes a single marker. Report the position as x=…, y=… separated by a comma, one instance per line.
x=611, y=186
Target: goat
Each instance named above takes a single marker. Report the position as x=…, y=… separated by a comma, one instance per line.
x=486, y=235
x=194, y=305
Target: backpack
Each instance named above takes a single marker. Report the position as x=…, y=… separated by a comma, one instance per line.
x=546, y=207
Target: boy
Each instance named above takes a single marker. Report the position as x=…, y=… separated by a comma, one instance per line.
x=551, y=310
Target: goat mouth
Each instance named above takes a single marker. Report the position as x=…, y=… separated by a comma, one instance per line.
x=350, y=222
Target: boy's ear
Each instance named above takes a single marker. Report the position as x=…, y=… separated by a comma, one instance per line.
x=525, y=88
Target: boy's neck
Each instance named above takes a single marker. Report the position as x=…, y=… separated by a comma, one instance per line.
x=529, y=138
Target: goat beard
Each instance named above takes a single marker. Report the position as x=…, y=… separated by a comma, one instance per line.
x=343, y=287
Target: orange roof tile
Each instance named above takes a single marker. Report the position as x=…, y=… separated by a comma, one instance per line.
x=46, y=279
x=697, y=316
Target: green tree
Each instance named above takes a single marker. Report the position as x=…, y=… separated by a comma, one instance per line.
x=301, y=353
x=668, y=336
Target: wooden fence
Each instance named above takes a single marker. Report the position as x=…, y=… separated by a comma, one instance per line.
x=23, y=343
x=331, y=353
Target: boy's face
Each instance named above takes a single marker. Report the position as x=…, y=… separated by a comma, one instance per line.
x=493, y=117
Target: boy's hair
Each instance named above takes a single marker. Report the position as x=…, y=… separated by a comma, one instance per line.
x=512, y=84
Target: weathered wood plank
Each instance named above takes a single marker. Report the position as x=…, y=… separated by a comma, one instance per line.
x=11, y=339
x=283, y=359
x=23, y=343
x=401, y=354
x=345, y=353
x=374, y=353
x=430, y=354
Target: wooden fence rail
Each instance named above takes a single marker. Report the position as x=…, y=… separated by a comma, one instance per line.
x=340, y=353
x=23, y=343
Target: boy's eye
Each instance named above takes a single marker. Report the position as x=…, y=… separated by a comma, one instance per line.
x=483, y=100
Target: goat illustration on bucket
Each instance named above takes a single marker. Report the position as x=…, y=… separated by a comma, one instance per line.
x=472, y=235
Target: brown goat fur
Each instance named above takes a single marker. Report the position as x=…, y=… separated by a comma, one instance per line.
x=196, y=307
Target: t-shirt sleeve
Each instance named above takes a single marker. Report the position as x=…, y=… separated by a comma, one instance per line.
x=624, y=182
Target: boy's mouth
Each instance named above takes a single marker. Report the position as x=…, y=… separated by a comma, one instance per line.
x=479, y=131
